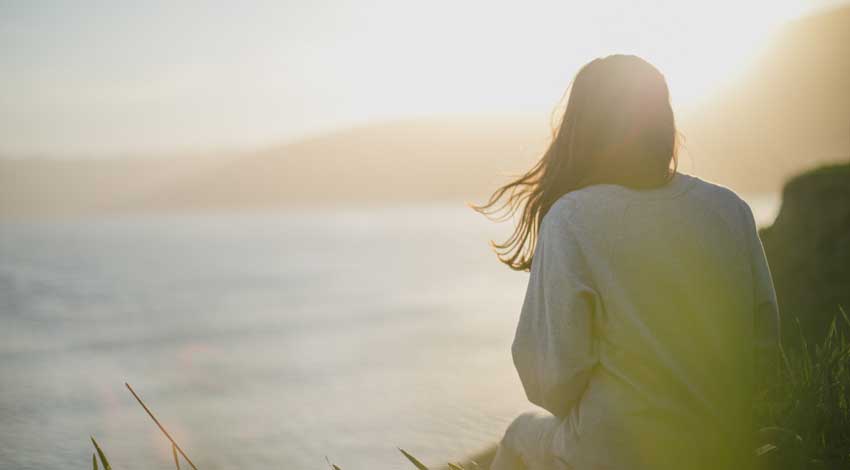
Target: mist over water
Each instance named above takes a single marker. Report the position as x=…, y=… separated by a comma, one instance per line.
x=261, y=340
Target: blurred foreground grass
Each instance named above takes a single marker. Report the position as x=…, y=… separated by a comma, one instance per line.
x=805, y=414
x=802, y=415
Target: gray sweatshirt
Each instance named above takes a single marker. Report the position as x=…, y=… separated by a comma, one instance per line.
x=648, y=315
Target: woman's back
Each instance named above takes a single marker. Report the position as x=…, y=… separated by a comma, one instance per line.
x=641, y=321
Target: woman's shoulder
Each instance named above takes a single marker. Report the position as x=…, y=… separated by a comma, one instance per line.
x=727, y=204
x=603, y=200
x=580, y=208
x=562, y=211
x=716, y=189
x=721, y=195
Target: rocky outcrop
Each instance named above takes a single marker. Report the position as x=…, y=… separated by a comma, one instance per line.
x=808, y=249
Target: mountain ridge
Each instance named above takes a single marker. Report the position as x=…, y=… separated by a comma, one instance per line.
x=788, y=111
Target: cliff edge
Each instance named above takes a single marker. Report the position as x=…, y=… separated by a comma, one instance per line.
x=808, y=249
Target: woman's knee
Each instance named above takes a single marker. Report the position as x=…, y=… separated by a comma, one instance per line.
x=526, y=421
x=529, y=437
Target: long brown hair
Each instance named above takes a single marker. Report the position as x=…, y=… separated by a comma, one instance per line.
x=617, y=128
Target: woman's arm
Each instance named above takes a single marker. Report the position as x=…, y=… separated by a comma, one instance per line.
x=766, y=320
x=554, y=350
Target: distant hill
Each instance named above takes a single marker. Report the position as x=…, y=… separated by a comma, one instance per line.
x=404, y=161
x=396, y=162
x=788, y=112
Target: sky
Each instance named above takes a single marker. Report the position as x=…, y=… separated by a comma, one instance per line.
x=118, y=79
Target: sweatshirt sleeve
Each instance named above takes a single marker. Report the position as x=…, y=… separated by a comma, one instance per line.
x=554, y=350
x=766, y=320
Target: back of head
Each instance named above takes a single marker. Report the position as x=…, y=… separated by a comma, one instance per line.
x=618, y=125
x=617, y=128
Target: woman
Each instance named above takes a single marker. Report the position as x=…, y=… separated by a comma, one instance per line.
x=650, y=307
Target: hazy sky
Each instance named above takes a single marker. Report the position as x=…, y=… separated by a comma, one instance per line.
x=132, y=78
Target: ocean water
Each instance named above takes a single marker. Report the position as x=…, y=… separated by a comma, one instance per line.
x=263, y=340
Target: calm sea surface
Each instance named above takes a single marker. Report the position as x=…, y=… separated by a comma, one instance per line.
x=261, y=341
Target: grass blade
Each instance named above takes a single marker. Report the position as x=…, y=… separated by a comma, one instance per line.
x=413, y=460
x=100, y=454
x=844, y=315
x=161, y=427
x=333, y=466
x=174, y=453
x=765, y=449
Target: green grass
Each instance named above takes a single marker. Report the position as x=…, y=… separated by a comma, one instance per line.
x=802, y=415
x=807, y=410
x=100, y=454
